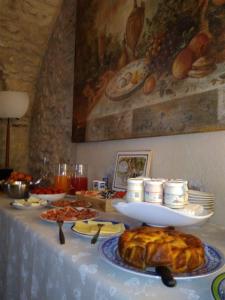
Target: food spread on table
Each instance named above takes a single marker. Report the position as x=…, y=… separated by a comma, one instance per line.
x=166, y=250
x=68, y=214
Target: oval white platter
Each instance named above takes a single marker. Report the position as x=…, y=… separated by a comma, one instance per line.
x=159, y=215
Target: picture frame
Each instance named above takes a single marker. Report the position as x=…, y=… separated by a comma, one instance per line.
x=130, y=165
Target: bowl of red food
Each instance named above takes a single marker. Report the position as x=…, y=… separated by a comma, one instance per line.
x=48, y=193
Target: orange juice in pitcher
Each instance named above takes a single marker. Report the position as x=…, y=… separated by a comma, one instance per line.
x=62, y=177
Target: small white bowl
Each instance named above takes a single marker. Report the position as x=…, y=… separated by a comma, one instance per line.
x=49, y=197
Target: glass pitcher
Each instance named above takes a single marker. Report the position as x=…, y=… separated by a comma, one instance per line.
x=79, y=178
x=62, y=177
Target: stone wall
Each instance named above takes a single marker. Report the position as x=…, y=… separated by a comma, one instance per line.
x=52, y=111
x=25, y=27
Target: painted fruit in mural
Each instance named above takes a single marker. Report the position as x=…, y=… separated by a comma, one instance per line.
x=124, y=57
x=183, y=63
x=199, y=44
x=218, y=2
x=134, y=26
x=149, y=85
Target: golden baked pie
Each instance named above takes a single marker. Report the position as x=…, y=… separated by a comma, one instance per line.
x=154, y=246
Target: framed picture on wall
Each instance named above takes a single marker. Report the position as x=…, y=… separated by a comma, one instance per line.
x=130, y=165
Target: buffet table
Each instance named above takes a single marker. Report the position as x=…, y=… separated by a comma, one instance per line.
x=34, y=265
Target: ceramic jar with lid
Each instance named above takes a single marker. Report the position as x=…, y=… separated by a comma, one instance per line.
x=135, y=190
x=174, y=194
x=185, y=187
x=153, y=191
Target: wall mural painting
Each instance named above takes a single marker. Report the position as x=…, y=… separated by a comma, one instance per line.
x=148, y=68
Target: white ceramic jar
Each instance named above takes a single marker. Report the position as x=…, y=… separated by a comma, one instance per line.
x=174, y=194
x=153, y=191
x=185, y=187
x=135, y=190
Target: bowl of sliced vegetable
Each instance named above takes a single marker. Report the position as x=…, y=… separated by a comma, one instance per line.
x=48, y=193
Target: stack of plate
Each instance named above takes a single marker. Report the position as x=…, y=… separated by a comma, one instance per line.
x=207, y=200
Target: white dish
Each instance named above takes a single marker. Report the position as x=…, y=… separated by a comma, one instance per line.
x=202, y=203
x=159, y=215
x=52, y=221
x=49, y=197
x=202, y=196
x=198, y=193
x=214, y=261
x=23, y=204
x=201, y=200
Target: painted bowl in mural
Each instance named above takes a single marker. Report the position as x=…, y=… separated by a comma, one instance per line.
x=127, y=80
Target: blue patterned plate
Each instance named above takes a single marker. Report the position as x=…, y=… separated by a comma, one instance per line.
x=214, y=261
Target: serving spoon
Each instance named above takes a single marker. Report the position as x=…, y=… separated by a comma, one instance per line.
x=95, y=237
x=166, y=276
x=61, y=234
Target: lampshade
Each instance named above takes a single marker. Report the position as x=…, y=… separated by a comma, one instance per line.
x=13, y=104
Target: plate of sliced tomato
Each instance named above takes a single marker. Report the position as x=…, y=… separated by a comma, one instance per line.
x=68, y=214
x=69, y=202
x=48, y=193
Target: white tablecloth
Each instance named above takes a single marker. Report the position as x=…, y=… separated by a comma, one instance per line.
x=33, y=265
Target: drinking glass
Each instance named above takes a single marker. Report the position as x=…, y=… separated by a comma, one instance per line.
x=79, y=179
x=62, y=177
